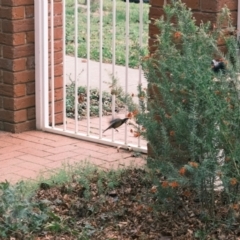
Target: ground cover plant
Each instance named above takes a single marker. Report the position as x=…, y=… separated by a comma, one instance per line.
x=107, y=31
x=83, y=202
x=122, y=100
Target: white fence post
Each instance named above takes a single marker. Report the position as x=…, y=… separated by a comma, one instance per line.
x=41, y=65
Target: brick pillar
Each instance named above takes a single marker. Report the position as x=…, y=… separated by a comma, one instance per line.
x=203, y=10
x=17, y=67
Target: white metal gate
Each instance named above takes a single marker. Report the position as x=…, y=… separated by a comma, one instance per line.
x=86, y=73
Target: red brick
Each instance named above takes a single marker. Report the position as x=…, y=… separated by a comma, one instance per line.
x=23, y=25
x=31, y=62
x=193, y=4
x=19, y=90
x=6, y=115
x=1, y=102
x=153, y=30
x=12, y=12
x=217, y=5
x=31, y=113
x=6, y=90
x=58, y=106
x=1, y=25
x=58, y=57
x=58, y=8
x=234, y=15
x=13, y=65
x=155, y=13
x=13, y=116
x=30, y=37
x=19, y=103
x=29, y=11
x=58, y=94
x=18, y=77
x=58, y=70
x=152, y=45
x=59, y=118
x=58, y=33
x=205, y=17
x=17, y=2
x=20, y=116
x=19, y=127
x=18, y=81
x=12, y=39
x=30, y=88
x=58, y=82
x=57, y=22
x=18, y=51
x=58, y=45
x=19, y=64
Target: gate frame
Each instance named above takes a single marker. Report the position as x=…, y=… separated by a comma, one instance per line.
x=42, y=76
x=41, y=66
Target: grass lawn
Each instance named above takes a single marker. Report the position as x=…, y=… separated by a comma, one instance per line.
x=134, y=48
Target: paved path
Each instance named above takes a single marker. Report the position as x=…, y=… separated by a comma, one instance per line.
x=120, y=74
x=28, y=154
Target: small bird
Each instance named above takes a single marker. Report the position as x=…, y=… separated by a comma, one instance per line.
x=218, y=66
x=115, y=123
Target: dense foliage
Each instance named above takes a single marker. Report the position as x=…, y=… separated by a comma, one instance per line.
x=192, y=112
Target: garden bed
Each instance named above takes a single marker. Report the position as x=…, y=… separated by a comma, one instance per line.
x=127, y=206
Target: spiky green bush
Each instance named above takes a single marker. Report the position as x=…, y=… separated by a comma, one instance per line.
x=193, y=113
x=19, y=215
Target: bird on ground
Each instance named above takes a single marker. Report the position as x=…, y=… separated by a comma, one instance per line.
x=116, y=123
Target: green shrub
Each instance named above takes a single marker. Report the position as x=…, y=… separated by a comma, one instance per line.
x=193, y=113
x=19, y=216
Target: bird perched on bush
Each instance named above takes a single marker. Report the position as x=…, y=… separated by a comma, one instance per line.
x=218, y=66
x=116, y=123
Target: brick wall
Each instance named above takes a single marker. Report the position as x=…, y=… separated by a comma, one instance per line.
x=203, y=10
x=17, y=68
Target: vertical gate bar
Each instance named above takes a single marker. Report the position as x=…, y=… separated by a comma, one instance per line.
x=140, y=44
x=88, y=65
x=113, y=59
x=45, y=64
x=127, y=58
x=64, y=69
x=52, y=64
x=100, y=68
x=76, y=65
x=38, y=25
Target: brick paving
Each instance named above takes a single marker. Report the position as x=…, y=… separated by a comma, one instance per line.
x=33, y=153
